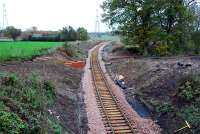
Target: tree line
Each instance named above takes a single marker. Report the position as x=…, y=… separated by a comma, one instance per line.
x=156, y=27
x=32, y=34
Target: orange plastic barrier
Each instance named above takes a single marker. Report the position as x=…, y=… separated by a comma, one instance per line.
x=75, y=64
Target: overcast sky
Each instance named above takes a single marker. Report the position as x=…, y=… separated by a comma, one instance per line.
x=52, y=14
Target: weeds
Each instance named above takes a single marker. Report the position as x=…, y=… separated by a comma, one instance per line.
x=164, y=108
x=186, y=92
x=25, y=100
x=11, y=123
x=69, y=49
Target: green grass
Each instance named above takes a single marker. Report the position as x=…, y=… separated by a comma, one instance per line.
x=24, y=49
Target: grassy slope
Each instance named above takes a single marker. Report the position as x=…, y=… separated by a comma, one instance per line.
x=24, y=50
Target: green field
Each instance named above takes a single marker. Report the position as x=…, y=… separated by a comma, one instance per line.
x=24, y=49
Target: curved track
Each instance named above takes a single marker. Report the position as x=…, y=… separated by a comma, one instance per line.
x=113, y=117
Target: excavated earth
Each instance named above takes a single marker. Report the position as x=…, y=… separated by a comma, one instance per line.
x=151, y=80
x=69, y=105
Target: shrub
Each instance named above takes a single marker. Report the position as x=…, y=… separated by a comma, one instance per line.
x=69, y=49
x=189, y=91
x=190, y=88
x=55, y=126
x=161, y=49
x=191, y=114
x=50, y=92
x=158, y=49
x=31, y=97
x=12, y=123
x=196, y=40
x=186, y=92
x=10, y=80
x=164, y=108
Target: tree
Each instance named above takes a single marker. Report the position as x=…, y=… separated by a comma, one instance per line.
x=12, y=32
x=82, y=34
x=26, y=35
x=148, y=24
x=72, y=34
x=195, y=8
x=68, y=34
x=64, y=34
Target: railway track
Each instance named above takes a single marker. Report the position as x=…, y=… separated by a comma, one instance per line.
x=112, y=115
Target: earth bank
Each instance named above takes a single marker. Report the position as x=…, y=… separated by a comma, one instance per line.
x=68, y=108
x=161, y=84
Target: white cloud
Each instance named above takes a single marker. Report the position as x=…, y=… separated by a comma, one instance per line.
x=52, y=14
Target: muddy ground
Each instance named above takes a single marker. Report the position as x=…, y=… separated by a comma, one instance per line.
x=153, y=80
x=69, y=107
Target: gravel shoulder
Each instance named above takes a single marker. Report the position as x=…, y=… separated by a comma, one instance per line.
x=95, y=122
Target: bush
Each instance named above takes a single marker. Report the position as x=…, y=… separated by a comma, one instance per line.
x=196, y=40
x=164, y=108
x=12, y=123
x=189, y=95
x=29, y=99
x=10, y=80
x=69, y=49
x=192, y=115
x=186, y=92
x=161, y=50
x=190, y=89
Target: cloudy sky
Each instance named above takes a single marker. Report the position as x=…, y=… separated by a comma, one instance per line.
x=52, y=14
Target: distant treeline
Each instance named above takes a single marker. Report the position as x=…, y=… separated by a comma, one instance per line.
x=32, y=34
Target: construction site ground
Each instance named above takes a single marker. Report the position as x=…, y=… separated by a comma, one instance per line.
x=153, y=80
x=69, y=105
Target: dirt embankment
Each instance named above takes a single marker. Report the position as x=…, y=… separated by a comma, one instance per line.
x=69, y=107
x=155, y=81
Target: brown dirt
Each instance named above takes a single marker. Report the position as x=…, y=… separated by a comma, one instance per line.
x=69, y=107
x=141, y=125
x=153, y=80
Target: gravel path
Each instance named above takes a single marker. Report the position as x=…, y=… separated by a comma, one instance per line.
x=95, y=122
x=142, y=126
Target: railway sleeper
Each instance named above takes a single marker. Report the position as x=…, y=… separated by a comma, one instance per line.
x=114, y=110
x=112, y=116
x=104, y=92
x=103, y=95
x=115, y=121
x=120, y=132
x=120, y=128
x=115, y=125
x=109, y=103
x=116, y=118
x=106, y=98
x=109, y=106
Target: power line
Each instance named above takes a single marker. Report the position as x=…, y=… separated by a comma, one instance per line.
x=5, y=19
x=97, y=23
